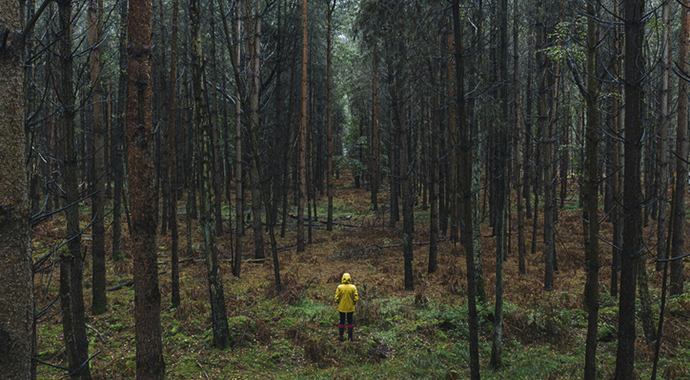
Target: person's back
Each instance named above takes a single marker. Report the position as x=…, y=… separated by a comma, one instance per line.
x=346, y=297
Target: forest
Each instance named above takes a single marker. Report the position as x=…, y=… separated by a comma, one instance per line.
x=185, y=182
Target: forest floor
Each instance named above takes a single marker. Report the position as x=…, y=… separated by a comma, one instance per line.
x=398, y=334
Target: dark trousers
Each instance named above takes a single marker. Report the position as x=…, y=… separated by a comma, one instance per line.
x=349, y=317
x=350, y=325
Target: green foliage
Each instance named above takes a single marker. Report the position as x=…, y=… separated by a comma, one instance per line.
x=570, y=35
x=242, y=328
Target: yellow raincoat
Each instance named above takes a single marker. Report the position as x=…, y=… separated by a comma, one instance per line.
x=346, y=295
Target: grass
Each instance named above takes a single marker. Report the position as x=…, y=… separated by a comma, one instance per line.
x=399, y=335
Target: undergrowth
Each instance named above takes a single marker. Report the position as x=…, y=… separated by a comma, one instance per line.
x=422, y=334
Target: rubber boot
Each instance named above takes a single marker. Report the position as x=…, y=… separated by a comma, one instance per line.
x=342, y=330
x=349, y=332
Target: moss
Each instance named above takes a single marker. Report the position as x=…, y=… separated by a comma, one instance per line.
x=242, y=328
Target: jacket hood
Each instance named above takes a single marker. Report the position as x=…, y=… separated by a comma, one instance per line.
x=346, y=278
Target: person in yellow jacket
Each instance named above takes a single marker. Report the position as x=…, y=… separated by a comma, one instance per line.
x=346, y=297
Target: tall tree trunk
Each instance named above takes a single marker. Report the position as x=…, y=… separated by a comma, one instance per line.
x=545, y=85
x=219, y=320
x=172, y=143
x=406, y=183
x=394, y=176
x=216, y=140
x=149, y=356
x=434, y=129
x=375, y=137
x=501, y=185
x=71, y=294
x=617, y=213
x=16, y=273
x=519, y=175
x=302, y=135
x=99, y=300
x=232, y=38
x=329, y=124
x=239, y=165
x=662, y=147
x=254, y=49
x=453, y=153
x=118, y=137
x=235, y=49
x=680, y=188
x=590, y=212
x=632, y=189
x=467, y=235
x=528, y=162
x=163, y=154
x=189, y=139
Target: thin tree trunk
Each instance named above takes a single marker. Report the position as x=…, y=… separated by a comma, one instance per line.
x=680, y=190
x=302, y=135
x=218, y=173
x=254, y=49
x=172, y=143
x=590, y=212
x=163, y=154
x=467, y=198
x=99, y=301
x=71, y=294
x=374, y=137
x=405, y=179
x=434, y=128
x=632, y=196
x=118, y=138
x=219, y=320
x=501, y=185
x=329, y=123
x=519, y=176
x=662, y=148
x=617, y=212
x=452, y=140
x=235, y=48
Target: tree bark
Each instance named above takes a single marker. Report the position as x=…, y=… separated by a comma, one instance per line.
x=662, y=148
x=632, y=189
x=501, y=186
x=451, y=184
x=590, y=212
x=71, y=293
x=434, y=128
x=118, y=137
x=217, y=165
x=680, y=188
x=16, y=273
x=99, y=300
x=406, y=183
x=172, y=143
x=302, y=135
x=617, y=212
x=329, y=124
x=375, y=137
x=149, y=355
x=467, y=235
x=254, y=49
